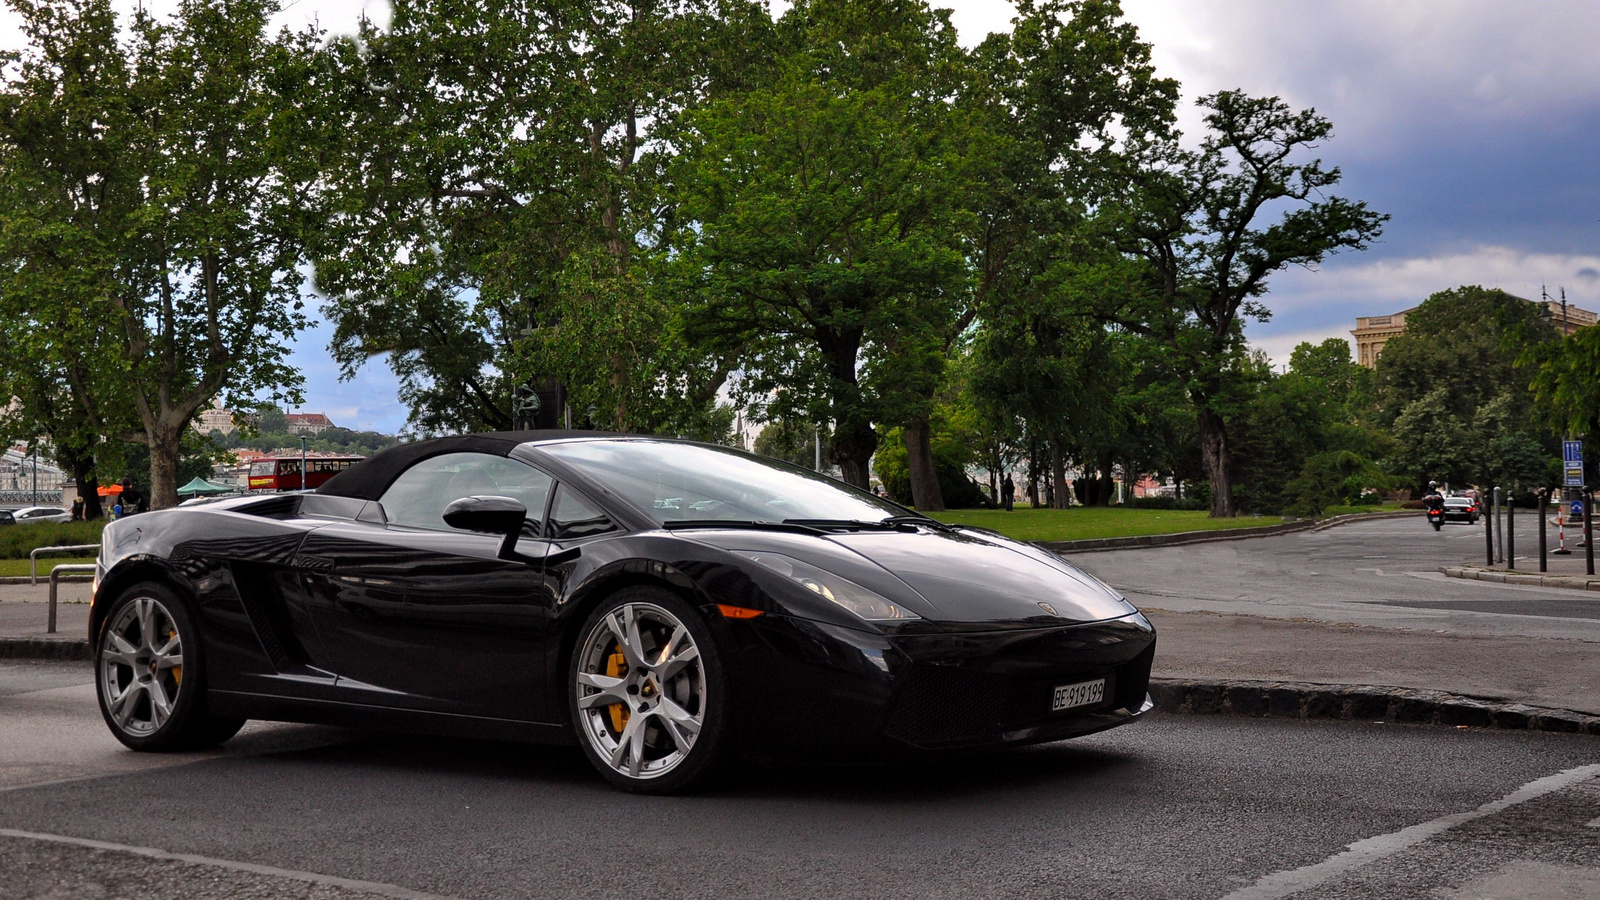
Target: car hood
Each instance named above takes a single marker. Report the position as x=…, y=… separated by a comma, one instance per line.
x=961, y=577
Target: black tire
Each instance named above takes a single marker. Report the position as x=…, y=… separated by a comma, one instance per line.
x=136, y=721
x=594, y=727
x=1437, y=525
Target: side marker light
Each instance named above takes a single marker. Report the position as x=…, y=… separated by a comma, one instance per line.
x=737, y=612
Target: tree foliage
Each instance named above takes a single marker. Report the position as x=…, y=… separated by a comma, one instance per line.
x=1189, y=219
x=1452, y=392
x=156, y=189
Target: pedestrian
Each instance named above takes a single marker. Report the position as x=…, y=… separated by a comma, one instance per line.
x=77, y=509
x=1008, y=491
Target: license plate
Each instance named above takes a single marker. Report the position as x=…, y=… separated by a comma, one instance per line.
x=1084, y=693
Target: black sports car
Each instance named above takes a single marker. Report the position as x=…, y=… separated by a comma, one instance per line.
x=657, y=602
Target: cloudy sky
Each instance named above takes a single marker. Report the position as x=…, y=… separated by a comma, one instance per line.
x=1474, y=123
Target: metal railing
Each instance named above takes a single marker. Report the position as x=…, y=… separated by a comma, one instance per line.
x=33, y=558
x=55, y=576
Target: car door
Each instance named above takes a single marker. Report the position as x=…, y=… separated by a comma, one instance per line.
x=417, y=615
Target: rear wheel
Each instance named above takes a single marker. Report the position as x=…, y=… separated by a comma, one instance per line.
x=150, y=676
x=647, y=694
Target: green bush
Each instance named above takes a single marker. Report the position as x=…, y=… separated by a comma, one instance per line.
x=958, y=490
x=17, y=540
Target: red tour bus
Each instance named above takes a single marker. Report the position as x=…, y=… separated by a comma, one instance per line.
x=283, y=473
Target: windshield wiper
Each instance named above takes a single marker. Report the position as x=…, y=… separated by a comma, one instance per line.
x=893, y=523
x=792, y=527
x=919, y=520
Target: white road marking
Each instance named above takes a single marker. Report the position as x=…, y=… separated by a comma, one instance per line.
x=371, y=887
x=1361, y=853
x=1595, y=824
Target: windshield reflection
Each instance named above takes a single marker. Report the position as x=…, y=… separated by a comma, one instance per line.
x=681, y=482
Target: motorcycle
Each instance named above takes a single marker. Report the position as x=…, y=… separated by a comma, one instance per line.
x=1436, y=518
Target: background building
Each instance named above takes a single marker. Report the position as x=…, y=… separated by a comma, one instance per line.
x=215, y=419
x=308, y=423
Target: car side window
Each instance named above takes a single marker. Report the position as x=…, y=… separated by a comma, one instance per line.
x=418, y=497
x=573, y=515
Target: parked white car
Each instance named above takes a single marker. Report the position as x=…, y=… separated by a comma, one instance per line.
x=29, y=514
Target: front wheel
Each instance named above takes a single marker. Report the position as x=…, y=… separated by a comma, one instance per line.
x=150, y=677
x=647, y=693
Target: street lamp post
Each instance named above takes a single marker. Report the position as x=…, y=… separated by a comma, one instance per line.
x=302, y=462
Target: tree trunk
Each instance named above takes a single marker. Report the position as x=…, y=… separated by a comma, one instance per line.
x=852, y=450
x=925, y=493
x=1058, y=478
x=1216, y=460
x=88, y=486
x=164, y=468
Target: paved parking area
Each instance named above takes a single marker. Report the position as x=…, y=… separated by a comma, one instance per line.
x=1175, y=806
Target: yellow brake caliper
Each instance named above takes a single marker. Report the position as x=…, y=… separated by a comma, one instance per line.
x=616, y=667
x=177, y=671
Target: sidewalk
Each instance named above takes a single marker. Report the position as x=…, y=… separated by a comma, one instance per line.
x=1547, y=673
x=25, y=613
x=1563, y=571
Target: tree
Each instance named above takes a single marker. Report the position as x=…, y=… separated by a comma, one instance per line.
x=1057, y=98
x=1189, y=219
x=1564, y=379
x=817, y=211
x=497, y=181
x=1456, y=369
x=160, y=187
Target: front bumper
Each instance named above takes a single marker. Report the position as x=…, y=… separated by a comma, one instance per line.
x=805, y=685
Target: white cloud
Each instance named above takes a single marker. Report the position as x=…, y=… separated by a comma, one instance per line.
x=1380, y=67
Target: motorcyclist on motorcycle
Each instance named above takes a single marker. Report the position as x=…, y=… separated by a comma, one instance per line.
x=1433, y=499
x=1434, y=502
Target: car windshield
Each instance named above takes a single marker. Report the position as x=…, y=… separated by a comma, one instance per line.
x=1457, y=501
x=676, y=482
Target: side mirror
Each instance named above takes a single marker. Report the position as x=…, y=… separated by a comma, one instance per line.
x=496, y=515
x=503, y=516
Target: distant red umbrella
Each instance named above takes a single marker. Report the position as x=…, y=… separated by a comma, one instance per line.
x=107, y=490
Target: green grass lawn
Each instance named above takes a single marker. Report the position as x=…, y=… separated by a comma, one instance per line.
x=10, y=567
x=1084, y=523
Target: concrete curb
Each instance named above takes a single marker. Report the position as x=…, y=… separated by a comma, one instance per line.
x=45, y=648
x=1256, y=699
x=1372, y=703
x=1501, y=576
x=1203, y=537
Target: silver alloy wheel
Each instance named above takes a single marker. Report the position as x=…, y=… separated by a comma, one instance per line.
x=141, y=661
x=641, y=690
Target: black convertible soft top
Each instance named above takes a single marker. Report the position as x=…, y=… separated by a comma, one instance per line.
x=368, y=479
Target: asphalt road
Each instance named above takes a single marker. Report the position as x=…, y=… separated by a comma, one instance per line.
x=1174, y=806
x=1381, y=573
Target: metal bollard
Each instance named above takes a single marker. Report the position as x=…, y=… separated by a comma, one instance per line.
x=1544, y=495
x=1588, y=531
x=1511, y=530
x=55, y=580
x=1488, y=535
x=1500, y=532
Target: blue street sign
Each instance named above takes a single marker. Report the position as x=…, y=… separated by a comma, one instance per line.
x=1572, y=462
x=1577, y=509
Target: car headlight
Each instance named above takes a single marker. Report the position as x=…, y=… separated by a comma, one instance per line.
x=842, y=592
